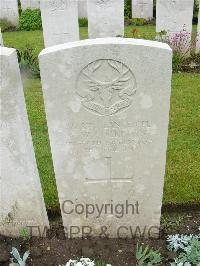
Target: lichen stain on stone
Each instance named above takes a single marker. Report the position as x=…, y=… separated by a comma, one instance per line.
x=11, y=215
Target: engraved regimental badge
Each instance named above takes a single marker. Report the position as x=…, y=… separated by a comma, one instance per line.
x=57, y=5
x=102, y=1
x=106, y=87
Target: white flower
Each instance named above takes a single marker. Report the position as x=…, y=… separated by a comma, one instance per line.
x=79, y=264
x=82, y=262
x=71, y=263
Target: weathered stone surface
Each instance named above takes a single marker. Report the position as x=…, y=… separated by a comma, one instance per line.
x=21, y=200
x=173, y=16
x=1, y=38
x=30, y=4
x=9, y=11
x=142, y=9
x=59, y=21
x=105, y=18
x=82, y=9
x=107, y=105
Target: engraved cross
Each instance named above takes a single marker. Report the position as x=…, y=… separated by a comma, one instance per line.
x=109, y=179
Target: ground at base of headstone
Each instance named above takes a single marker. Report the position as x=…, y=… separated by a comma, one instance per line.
x=55, y=249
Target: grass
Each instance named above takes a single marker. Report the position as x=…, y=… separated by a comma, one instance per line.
x=21, y=39
x=39, y=131
x=182, y=179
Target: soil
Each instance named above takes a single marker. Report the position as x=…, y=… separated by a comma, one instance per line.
x=55, y=249
x=189, y=69
x=9, y=29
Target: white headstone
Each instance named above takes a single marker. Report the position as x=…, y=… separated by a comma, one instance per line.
x=174, y=15
x=59, y=21
x=9, y=11
x=82, y=9
x=198, y=34
x=1, y=38
x=108, y=119
x=30, y=4
x=142, y=9
x=21, y=200
x=105, y=18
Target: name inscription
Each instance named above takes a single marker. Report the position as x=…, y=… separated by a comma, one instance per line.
x=111, y=137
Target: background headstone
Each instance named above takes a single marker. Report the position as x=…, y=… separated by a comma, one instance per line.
x=105, y=18
x=9, y=11
x=174, y=15
x=107, y=117
x=21, y=199
x=30, y=4
x=198, y=34
x=59, y=21
x=82, y=9
x=1, y=38
x=142, y=9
